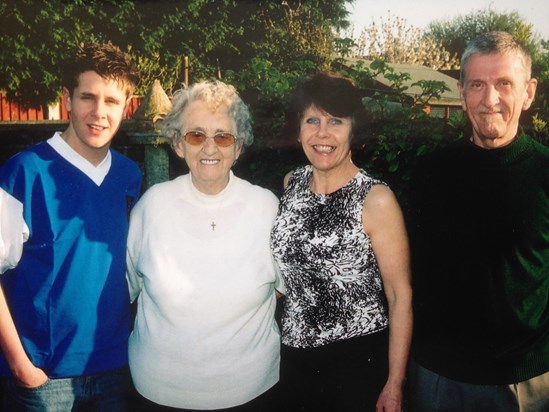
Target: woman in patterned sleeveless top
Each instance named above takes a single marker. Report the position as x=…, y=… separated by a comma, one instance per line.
x=341, y=245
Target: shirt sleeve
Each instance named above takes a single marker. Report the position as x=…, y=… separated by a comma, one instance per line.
x=14, y=232
x=279, y=282
x=134, y=278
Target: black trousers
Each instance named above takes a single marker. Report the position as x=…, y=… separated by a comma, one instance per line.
x=342, y=376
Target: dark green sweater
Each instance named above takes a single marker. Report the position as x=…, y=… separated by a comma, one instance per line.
x=479, y=232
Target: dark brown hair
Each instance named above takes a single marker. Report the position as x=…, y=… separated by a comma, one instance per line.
x=330, y=92
x=107, y=60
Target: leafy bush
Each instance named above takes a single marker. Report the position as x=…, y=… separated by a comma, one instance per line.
x=399, y=130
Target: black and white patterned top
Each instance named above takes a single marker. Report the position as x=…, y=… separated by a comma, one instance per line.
x=333, y=282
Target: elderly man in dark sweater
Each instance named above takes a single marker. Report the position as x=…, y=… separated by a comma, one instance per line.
x=479, y=230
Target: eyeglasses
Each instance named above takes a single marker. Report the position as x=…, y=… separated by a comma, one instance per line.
x=197, y=138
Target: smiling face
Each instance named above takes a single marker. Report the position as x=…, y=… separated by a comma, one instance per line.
x=325, y=139
x=97, y=107
x=208, y=163
x=495, y=92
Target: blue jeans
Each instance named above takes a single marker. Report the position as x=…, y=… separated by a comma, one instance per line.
x=105, y=392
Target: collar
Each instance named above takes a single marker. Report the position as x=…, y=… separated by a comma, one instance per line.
x=95, y=173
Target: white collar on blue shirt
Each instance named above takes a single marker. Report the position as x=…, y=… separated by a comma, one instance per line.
x=95, y=173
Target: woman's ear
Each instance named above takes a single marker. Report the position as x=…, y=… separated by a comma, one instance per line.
x=179, y=148
x=238, y=149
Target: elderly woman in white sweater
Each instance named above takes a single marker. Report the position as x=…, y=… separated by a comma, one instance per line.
x=205, y=337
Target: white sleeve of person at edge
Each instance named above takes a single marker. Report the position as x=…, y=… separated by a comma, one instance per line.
x=13, y=231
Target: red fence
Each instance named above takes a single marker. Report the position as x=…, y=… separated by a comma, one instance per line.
x=13, y=111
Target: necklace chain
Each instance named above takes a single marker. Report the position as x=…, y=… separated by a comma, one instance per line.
x=213, y=217
x=209, y=200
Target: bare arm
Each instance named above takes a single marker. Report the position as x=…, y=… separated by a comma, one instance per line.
x=384, y=223
x=13, y=234
x=23, y=370
x=285, y=182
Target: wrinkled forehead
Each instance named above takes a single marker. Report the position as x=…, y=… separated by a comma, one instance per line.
x=509, y=64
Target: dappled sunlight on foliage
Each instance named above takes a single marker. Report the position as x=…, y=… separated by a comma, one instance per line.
x=394, y=41
x=264, y=48
x=399, y=131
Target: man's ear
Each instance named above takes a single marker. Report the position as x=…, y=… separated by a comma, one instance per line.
x=530, y=91
x=462, y=96
x=66, y=99
x=127, y=106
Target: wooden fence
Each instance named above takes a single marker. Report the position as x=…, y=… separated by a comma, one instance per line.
x=13, y=111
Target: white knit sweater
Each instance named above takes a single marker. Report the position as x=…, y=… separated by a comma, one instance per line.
x=205, y=335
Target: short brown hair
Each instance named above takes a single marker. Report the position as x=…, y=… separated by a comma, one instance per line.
x=107, y=60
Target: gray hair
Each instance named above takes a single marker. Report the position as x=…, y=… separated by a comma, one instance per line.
x=215, y=94
x=495, y=42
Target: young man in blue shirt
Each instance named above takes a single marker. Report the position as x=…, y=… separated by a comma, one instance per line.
x=64, y=204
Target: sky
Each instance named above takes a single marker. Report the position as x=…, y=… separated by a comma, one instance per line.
x=419, y=13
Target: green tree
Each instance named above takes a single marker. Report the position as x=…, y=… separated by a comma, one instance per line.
x=287, y=40
x=540, y=118
x=455, y=33
x=37, y=35
x=223, y=37
x=262, y=45
x=398, y=131
x=167, y=31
